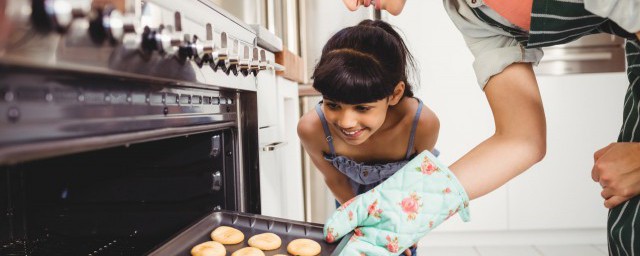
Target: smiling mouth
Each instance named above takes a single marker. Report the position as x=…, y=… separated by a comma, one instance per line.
x=352, y=134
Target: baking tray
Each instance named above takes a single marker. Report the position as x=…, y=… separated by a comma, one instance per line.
x=249, y=224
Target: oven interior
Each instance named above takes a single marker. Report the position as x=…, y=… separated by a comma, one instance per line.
x=123, y=200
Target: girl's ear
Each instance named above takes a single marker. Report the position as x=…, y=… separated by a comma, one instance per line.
x=398, y=92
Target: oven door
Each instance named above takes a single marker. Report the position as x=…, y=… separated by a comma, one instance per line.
x=123, y=200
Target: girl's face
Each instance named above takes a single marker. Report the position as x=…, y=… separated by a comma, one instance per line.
x=355, y=123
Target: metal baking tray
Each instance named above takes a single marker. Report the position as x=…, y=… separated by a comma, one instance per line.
x=249, y=224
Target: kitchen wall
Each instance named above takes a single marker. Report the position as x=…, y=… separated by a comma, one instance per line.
x=323, y=19
x=249, y=11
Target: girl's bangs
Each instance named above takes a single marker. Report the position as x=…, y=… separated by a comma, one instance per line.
x=350, y=79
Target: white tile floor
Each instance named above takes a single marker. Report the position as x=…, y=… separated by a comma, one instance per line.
x=531, y=250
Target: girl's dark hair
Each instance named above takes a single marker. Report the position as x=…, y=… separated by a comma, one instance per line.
x=363, y=63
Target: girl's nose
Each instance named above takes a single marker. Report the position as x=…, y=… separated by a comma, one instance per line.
x=347, y=120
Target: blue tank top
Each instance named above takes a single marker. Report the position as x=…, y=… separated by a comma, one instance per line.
x=362, y=176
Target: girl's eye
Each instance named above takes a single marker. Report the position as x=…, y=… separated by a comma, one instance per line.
x=331, y=105
x=362, y=108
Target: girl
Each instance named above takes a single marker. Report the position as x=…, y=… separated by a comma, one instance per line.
x=368, y=124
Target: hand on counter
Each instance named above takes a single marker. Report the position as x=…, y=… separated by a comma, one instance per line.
x=617, y=168
x=393, y=216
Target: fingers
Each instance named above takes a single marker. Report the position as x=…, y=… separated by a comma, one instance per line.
x=607, y=193
x=596, y=170
x=624, y=185
x=601, y=152
x=595, y=174
x=615, y=201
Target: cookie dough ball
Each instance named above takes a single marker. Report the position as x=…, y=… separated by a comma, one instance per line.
x=248, y=251
x=227, y=235
x=265, y=241
x=304, y=247
x=210, y=248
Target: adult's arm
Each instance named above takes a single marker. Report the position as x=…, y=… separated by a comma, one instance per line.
x=503, y=70
x=519, y=140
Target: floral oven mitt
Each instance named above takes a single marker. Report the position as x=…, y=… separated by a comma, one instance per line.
x=395, y=214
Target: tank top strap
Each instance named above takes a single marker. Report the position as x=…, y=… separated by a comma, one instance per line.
x=412, y=136
x=325, y=127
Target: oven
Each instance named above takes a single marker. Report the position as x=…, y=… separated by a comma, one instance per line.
x=82, y=75
x=130, y=127
x=123, y=123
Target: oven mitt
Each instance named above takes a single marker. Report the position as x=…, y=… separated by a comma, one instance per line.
x=395, y=214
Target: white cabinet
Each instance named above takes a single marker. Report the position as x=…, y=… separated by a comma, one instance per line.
x=267, y=99
x=269, y=143
x=271, y=181
x=279, y=156
x=293, y=196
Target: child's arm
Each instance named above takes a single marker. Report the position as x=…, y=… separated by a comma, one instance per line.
x=337, y=182
x=308, y=128
x=427, y=130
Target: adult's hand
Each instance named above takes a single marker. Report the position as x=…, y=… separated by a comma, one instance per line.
x=394, y=215
x=392, y=6
x=617, y=168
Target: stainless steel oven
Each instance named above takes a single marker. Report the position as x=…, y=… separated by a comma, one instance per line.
x=129, y=127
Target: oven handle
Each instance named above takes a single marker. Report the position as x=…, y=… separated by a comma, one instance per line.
x=274, y=146
x=275, y=66
x=216, y=184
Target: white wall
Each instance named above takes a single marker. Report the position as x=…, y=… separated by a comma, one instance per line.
x=322, y=20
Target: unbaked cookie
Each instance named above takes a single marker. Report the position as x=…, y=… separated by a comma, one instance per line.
x=210, y=248
x=265, y=241
x=248, y=251
x=227, y=235
x=304, y=247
